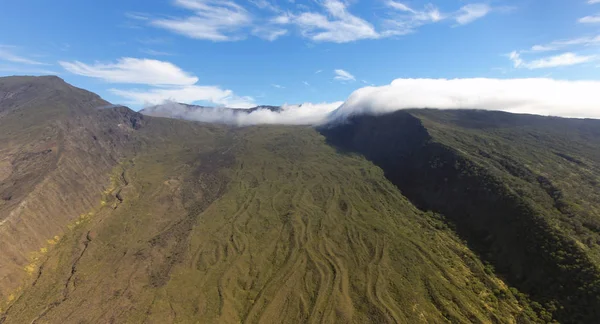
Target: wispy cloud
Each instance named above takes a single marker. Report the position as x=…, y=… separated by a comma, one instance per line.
x=270, y=33
x=571, y=53
x=590, y=19
x=342, y=75
x=593, y=1
x=278, y=86
x=565, y=43
x=133, y=70
x=160, y=80
x=325, y=21
x=8, y=53
x=265, y=4
x=336, y=24
x=565, y=59
x=406, y=19
x=152, y=52
x=472, y=12
x=214, y=20
x=137, y=16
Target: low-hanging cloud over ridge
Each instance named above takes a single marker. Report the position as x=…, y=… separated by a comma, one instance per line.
x=305, y=114
x=541, y=96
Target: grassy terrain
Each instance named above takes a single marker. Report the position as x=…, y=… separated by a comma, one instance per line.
x=552, y=161
x=262, y=224
x=107, y=216
x=56, y=149
x=510, y=185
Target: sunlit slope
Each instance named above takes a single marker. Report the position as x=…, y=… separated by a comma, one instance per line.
x=263, y=224
x=56, y=151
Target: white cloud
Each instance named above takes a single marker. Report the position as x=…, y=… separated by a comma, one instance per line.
x=137, y=16
x=7, y=54
x=133, y=70
x=400, y=6
x=542, y=48
x=535, y=96
x=278, y=86
x=590, y=19
x=410, y=19
x=163, y=81
x=343, y=26
x=593, y=1
x=565, y=43
x=269, y=33
x=152, y=52
x=342, y=75
x=282, y=19
x=215, y=20
x=565, y=59
x=186, y=94
x=264, y=4
x=540, y=96
x=472, y=12
x=305, y=114
x=226, y=20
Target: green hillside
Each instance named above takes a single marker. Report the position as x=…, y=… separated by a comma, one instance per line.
x=263, y=224
x=520, y=189
x=418, y=216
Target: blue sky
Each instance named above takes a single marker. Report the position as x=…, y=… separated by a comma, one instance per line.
x=243, y=53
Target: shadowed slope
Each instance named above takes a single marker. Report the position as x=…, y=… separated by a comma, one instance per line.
x=489, y=173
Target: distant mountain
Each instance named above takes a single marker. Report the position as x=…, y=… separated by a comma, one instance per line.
x=183, y=111
x=112, y=216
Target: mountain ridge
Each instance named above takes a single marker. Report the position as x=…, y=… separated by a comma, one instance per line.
x=460, y=216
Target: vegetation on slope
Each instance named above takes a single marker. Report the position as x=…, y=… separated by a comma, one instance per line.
x=109, y=216
x=445, y=162
x=262, y=224
x=56, y=149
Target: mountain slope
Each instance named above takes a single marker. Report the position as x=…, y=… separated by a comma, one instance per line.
x=263, y=224
x=189, y=222
x=514, y=187
x=56, y=148
x=417, y=216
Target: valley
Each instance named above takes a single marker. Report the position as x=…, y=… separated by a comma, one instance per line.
x=417, y=216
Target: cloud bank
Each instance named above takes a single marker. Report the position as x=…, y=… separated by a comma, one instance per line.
x=533, y=96
x=547, y=97
x=305, y=114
